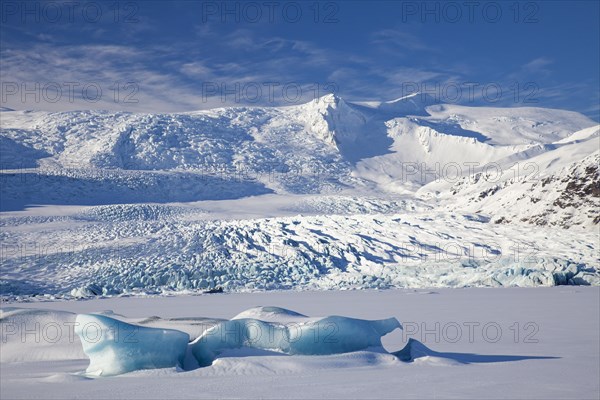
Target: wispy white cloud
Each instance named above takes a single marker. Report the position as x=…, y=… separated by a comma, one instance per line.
x=106, y=67
x=537, y=64
x=398, y=39
x=172, y=77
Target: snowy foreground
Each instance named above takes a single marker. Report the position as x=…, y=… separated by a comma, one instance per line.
x=465, y=343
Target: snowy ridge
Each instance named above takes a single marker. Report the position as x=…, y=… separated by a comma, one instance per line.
x=282, y=148
x=559, y=186
x=330, y=118
x=411, y=104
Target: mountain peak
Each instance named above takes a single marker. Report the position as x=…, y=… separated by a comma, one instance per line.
x=331, y=118
x=329, y=98
x=325, y=104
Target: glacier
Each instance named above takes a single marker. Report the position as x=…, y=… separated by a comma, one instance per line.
x=331, y=194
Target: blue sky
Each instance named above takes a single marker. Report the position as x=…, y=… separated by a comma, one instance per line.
x=187, y=55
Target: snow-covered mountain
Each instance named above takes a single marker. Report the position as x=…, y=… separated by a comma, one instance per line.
x=559, y=186
x=346, y=141
x=385, y=173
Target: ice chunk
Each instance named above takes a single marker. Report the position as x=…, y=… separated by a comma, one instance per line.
x=115, y=347
x=329, y=335
x=336, y=334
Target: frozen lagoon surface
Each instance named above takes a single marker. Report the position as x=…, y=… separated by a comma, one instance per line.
x=490, y=343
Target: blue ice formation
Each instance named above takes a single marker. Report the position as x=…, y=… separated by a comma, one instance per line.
x=115, y=347
x=330, y=335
